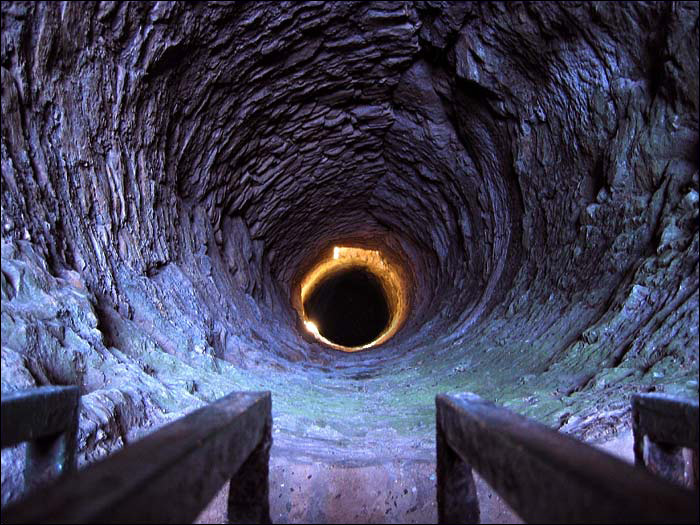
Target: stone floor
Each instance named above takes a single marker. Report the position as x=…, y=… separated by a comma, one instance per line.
x=391, y=492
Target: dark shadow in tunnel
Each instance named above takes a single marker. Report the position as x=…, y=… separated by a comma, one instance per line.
x=349, y=308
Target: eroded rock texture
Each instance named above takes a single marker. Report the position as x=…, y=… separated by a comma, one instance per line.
x=170, y=169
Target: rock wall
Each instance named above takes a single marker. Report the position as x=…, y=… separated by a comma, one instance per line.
x=170, y=169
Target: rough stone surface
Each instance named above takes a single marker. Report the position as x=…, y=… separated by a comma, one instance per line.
x=170, y=169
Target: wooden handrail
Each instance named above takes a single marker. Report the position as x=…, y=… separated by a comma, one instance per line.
x=545, y=476
x=665, y=419
x=670, y=424
x=46, y=417
x=171, y=475
x=37, y=412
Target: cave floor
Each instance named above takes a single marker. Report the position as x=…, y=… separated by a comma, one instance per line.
x=387, y=492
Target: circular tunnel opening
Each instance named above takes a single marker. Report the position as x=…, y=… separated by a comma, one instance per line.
x=349, y=308
x=353, y=298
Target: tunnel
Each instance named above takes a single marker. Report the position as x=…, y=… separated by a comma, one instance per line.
x=355, y=206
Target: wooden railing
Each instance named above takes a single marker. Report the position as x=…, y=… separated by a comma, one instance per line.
x=669, y=426
x=46, y=417
x=171, y=475
x=545, y=476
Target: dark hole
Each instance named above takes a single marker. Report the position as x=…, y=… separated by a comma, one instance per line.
x=349, y=308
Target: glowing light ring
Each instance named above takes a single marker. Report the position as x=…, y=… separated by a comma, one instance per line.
x=390, y=276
